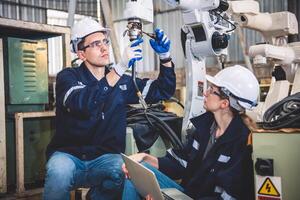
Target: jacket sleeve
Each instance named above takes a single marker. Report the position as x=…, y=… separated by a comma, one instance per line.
x=175, y=162
x=78, y=98
x=153, y=91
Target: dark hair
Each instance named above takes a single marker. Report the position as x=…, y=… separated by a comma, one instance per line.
x=222, y=95
x=235, y=111
x=81, y=44
x=248, y=121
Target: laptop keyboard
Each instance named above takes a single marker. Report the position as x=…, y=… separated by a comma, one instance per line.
x=166, y=197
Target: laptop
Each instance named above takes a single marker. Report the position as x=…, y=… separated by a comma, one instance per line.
x=145, y=182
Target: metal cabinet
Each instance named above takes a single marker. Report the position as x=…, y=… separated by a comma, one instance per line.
x=27, y=71
x=284, y=149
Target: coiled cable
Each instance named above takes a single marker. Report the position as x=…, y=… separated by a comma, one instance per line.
x=284, y=114
x=155, y=117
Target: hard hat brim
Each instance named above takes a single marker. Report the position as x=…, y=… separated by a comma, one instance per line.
x=212, y=80
x=106, y=30
x=102, y=30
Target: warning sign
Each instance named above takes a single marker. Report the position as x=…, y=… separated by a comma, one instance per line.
x=267, y=198
x=268, y=188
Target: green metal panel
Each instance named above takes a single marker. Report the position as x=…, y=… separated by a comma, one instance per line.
x=27, y=71
x=11, y=109
x=37, y=135
x=284, y=150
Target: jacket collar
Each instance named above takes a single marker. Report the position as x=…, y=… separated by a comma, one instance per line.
x=87, y=74
x=236, y=128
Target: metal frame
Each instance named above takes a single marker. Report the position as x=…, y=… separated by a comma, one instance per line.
x=3, y=176
x=30, y=30
x=19, y=125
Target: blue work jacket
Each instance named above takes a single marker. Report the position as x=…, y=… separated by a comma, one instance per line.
x=226, y=172
x=91, y=115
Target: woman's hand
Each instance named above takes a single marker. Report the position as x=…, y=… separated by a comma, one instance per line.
x=124, y=169
x=139, y=157
x=144, y=157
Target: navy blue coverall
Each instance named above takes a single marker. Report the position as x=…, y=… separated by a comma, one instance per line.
x=91, y=115
x=225, y=173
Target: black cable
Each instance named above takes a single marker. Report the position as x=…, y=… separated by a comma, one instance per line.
x=146, y=116
x=137, y=117
x=138, y=92
x=173, y=99
x=223, y=65
x=284, y=114
x=133, y=73
x=152, y=116
x=169, y=131
x=175, y=141
x=232, y=24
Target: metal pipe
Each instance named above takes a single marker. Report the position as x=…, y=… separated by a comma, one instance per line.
x=71, y=12
x=138, y=92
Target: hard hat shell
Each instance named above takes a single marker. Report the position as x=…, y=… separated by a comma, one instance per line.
x=240, y=82
x=83, y=28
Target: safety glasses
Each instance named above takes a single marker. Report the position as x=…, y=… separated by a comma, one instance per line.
x=97, y=44
x=213, y=90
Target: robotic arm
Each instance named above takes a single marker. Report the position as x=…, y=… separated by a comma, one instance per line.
x=272, y=26
x=275, y=27
x=203, y=5
x=205, y=33
x=282, y=55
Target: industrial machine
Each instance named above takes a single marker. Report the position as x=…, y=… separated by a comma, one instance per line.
x=26, y=89
x=270, y=149
x=275, y=52
x=146, y=124
x=206, y=31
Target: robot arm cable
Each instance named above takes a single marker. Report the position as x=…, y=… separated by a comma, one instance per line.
x=228, y=21
x=153, y=117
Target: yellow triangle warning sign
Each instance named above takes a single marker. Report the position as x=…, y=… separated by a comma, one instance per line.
x=268, y=188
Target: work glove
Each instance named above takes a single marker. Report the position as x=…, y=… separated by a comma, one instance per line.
x=161, y=44
x=130, y=55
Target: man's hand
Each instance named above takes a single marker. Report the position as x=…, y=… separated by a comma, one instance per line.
x=161, y=44
x=131, y=54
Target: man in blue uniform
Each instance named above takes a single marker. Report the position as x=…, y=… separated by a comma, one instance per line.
x=215, y=164
x=91, y=115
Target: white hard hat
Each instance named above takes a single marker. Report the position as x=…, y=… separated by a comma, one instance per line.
x=83, y=28
x=239, y=84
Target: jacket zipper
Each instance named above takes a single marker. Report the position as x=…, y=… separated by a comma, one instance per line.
x=102, y=111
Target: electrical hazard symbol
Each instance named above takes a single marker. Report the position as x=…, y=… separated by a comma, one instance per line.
x=268, y=188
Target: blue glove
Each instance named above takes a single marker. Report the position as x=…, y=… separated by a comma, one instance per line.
x=131, y=54
x=161, y=44
x=136, y=42
x=137, y=51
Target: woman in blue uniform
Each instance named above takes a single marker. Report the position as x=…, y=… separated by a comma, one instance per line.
x=216, y=161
